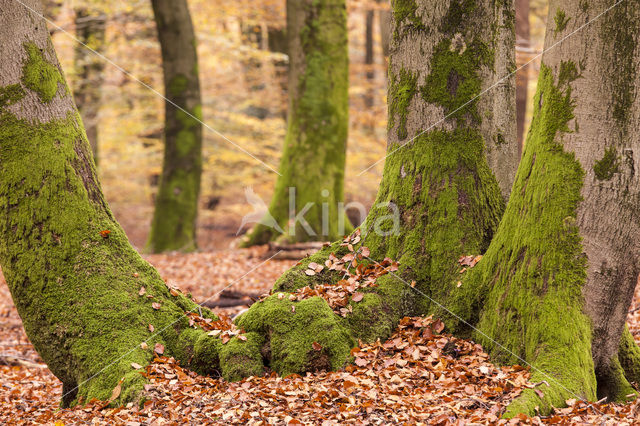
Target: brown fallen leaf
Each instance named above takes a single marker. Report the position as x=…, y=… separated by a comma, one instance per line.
x=142, y=291
x=357, y=296
x=155, y=305
x=159, y=348
x=136, y=365
x=316, y=346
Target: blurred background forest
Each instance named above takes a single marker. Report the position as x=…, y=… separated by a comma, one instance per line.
x=243, y=73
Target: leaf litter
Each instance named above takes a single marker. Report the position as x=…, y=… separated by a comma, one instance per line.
x=420, y=375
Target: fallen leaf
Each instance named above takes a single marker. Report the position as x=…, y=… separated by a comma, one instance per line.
x=316, y=346
x=159, y=348
x=357, y=296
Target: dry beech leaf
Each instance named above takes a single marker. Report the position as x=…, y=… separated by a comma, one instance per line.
x=310, y=272
x=316, y=346
x=144, y=346
x=159, y=348
x=357, y=296
x=151, y=328
x=142, y=291
x=242, y=337
x=174, y=292
x=136, y=365
x=155, y=305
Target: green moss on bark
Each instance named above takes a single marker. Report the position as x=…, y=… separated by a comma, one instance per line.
x=608, y=165
x=402, y=89
x=39, y=75
x=405, y=15
x=176, y=207
x=454, y=81
x=561, y=20
x=10, y=95
x=529, y=283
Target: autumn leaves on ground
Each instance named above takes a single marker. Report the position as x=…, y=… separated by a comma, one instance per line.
x=421, y=374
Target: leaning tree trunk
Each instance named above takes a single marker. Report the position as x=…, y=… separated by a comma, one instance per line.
x=313, y=160
x=176, y=209
x=439, y=198
x=558, y=278
x=522, y=75
x=86, y=298
x=90, y=31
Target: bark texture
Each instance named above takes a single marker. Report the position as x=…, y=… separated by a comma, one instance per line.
x=558, y=278
x=523, y=43
x=176, y=209
x=438, y=199
x=90, y=31
x=77, y=287
x=313, y=160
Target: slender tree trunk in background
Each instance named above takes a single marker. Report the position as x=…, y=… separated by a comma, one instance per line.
x=385, y=30
x=522, y=75
x=176, y=210
x=86, y=297
x=559, y=276
x=368, y=57
x=437, y=182
x=90, y=31
x=313, y=160
x=277, y=42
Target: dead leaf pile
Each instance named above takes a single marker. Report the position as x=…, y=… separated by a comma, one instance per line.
x=359, y=274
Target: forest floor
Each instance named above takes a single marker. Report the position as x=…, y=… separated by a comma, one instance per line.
x=420, y=375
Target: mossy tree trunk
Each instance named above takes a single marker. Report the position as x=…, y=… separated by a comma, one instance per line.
x=558, y=278
x=176, y=207
x=90, y=31
x=86, y=298
x=313, y=159
x=439, y=198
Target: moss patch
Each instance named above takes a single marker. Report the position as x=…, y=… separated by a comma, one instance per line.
x=608, y=165
x=561, y=20
x=292, y=328
x=10, y=94
x=454, y=81
x=39, y=75
x=402, y=88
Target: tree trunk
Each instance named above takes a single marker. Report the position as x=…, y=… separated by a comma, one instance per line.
x=313, y=160
x=368, y=57
x=385, y=30
x=558, y=278
x=176, y=210
x=438, y=199
x=90, y=31
x=86, y=298
x=522, y=75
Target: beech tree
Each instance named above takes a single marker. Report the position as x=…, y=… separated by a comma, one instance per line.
x=176, y=206
x=313, y=159
x=86, y=298
x=90, y=30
